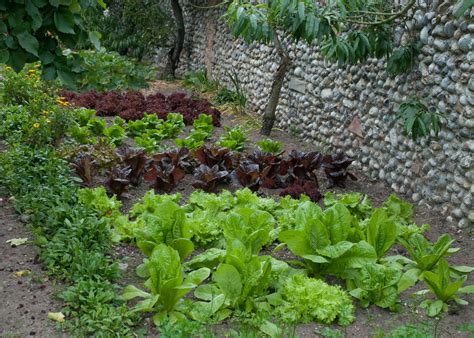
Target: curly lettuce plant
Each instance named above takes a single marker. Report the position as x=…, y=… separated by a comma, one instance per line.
x=303, y=300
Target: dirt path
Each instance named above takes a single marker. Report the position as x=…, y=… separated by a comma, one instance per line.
x=26, y=293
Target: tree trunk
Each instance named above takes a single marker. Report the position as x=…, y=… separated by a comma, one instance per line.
x=268, y=118
x=175, y=51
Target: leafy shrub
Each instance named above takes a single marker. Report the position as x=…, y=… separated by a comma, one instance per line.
x=26, y=86
x=36, y=125
x=403, y=58
x=236, y=97
x=103, y=71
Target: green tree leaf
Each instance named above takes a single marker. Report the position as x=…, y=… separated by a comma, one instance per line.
x=34, y=13
x=64, y=22
x=28, y=42
x=94, y=37
x=4, y=55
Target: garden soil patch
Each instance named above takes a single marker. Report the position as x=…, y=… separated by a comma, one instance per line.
x=26, y=301
x=369, y=322
x=26, y=293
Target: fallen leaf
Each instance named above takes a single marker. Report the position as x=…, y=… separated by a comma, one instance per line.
x=21, y=273
x=17, y=241
x=57, y=316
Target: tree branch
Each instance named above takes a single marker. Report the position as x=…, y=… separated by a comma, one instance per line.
x=391, y=17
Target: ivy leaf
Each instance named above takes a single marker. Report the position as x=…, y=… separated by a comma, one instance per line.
x=28, y=42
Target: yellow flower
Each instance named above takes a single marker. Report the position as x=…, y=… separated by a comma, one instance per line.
x=36, y=125
x=62, y=102
x=45, y=112
x=48, y=121
x=8, y=68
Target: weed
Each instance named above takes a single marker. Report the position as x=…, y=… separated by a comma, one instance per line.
x=200, y=81
x=329, y=332
x=467, y=327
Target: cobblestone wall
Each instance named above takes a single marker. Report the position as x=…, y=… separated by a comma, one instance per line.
x=353, y=107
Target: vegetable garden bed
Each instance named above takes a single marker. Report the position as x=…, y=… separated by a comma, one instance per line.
x=243, y=260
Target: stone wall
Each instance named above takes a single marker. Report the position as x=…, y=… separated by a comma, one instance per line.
x=353, y=107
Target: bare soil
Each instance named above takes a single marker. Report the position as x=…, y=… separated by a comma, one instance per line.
x=26, y=292
x=26, y=301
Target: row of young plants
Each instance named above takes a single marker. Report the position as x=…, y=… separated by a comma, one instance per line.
x=240, y=273
x=74, y=243
x=211, y=166
x=132, y=104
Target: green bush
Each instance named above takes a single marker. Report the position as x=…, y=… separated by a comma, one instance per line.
x=25, y=86
x=103, y=71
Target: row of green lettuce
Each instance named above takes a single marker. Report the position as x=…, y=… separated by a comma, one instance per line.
x=74, y=242
x=241, y=273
